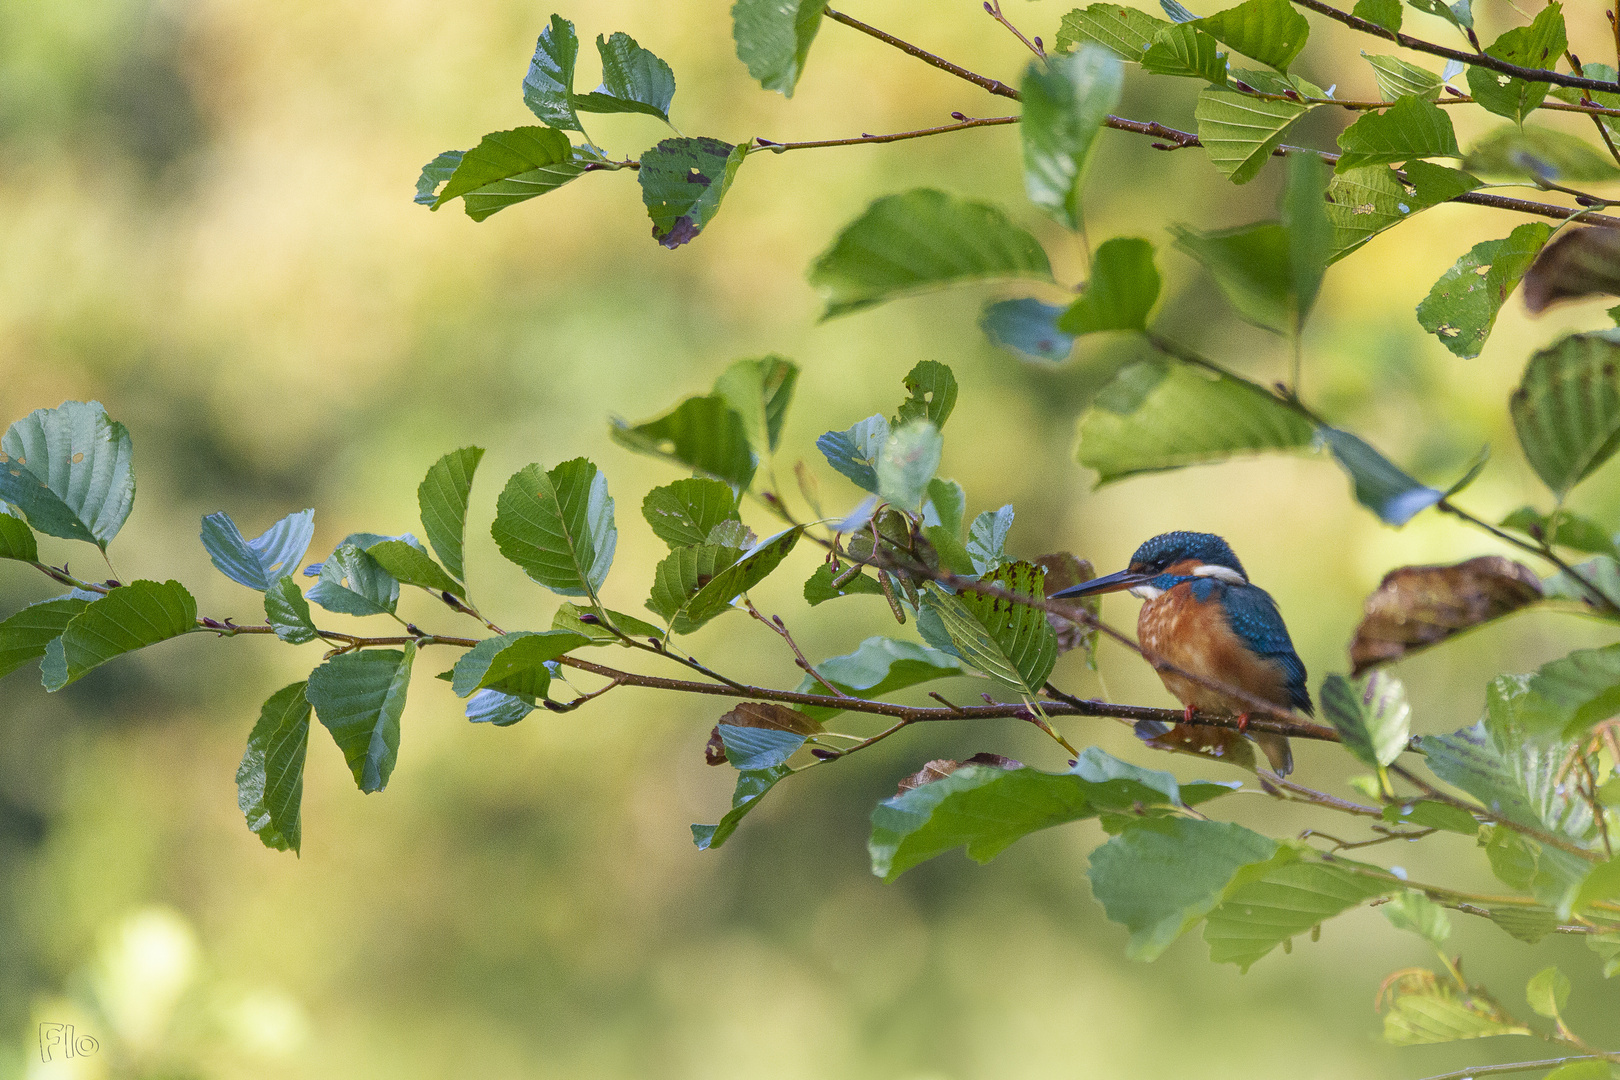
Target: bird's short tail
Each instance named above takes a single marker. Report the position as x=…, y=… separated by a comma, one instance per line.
x=1277, y=751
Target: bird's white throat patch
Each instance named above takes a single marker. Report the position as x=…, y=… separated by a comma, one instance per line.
x=1146, y=592
x=1224, y=573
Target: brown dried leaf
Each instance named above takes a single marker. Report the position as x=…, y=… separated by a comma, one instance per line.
x=1222, y=744
x=940, y=768
x=1062, y=571
x=1582, y=262
x=1418, y=606
x=759, y=714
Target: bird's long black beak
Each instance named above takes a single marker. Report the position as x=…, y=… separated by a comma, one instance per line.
x=1118, y=582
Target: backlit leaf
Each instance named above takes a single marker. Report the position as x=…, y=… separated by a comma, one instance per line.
x=684, y=513
x=1009, y=641
x=568, y=617
x=68, y=470
x=931, y=394
x=442, y=498
x=1185, y=50
x=1573, y=531
x=1065, y=102
x=1267, y=904
x=508, y=167
x=908, y=462
x=682, y=183
x=703, y=433
x=1548, y=992
x=1414, y=911
x=918, y=240
x=1459, y=14
x=127, y=618
x=1418, y=606
x=1538, y=153
x=759, y=392
x=1269, y=31
x=359, y=697
x=1125, y=31
x=1120, y=294
x=1566, y=409
x=1240, y=131
x=17, y=539
x=270, y=780
x=1412, y=128
x=1253, y=267
x=1397, y=78
x=1385, y=13
x=773, y=38
x=558, y=526
x=1462, y=307
x=1426, y=1010
x=693, y=585
x=1539, y=45
x=1373, y=720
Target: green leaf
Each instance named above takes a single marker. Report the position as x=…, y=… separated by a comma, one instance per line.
x=1161, y=875
x=1385, y=13
x=693, y=585
x=751, y=787
x=633, y=80
x=409, y=563
x=1462, y=307
x=353, y=583
x=558, y=526
x=25, y=635
x=1566, y=409
x=1379, y=484
x=908, y=462
x=1581, y=1070
x=1310, y=232
x=507, y=167
x=1065, y=103
x=17, y=540
x=752, y=747
x=1184, y=50
x=1410, y=129
x=1539, y=46
x=261, y=562
x=68, y=470
x=1434, y=1012
x=1240, y=131
x=127, y=618
x=1548, y=990
x=1373, y=720
x=1008, y=641
x=773, y=38
x=1428, y=814
x=946, y=504
x=1607, y=946
x=1540, y=154
x=548, y=88
x=919, y=240
x=931, y=390
x=878, y=666
x=442, y=498
x=1527, y=924
x=682, y=183
x=270, y=780
x=1161, y=415
x=1365, y=202
x=513, y=663
x=1396, y=78
x=1125, y=31
x=987, y=539
x=985, y=808
x=1435, y=184
x=1458, y=14
x=434, y=174
x=855, y=452
x=568, y=618
x=359, y=697
x=1120, y=294
x=1573, y=532
x=702, y=433
x=760, y=391
x=1412, y=910
x=1568, y=695
x=287, y=612
x=820, y=588
x=1607, y=99
x=1028, y=327
x=498, y=709
x=1253, y=267
x=1269, y=31
x=1602, y=885
x=1267, y=904
x=683, y=514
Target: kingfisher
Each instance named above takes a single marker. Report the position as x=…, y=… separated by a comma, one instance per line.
x=1203, y=616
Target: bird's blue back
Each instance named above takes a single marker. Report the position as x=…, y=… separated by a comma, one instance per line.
x=1253, y=616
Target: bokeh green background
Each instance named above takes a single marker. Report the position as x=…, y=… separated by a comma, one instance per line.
x=207, y=226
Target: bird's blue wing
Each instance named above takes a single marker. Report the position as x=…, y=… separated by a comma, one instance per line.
x=1253, y=616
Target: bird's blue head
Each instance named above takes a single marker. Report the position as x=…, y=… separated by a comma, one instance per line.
x=1172, y=554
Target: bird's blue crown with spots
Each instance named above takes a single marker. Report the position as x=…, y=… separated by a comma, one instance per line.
x=1169, y=548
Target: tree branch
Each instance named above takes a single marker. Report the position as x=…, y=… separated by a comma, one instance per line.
x=1518, y=1066
x=945, y=129
x=994, y=86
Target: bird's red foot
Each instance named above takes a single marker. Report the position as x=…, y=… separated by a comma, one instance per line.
x=1187, y=714
x=1243, y=721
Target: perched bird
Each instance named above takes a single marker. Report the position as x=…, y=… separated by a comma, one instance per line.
x=1202, y=615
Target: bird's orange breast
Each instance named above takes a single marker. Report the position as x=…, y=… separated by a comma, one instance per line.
x=1196, y=637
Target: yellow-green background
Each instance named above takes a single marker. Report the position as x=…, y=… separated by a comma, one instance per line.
x=207, y=225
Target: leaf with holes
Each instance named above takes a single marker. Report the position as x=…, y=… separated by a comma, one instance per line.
x=931, y=394
x=1240, y=131
x=1373, y=720
x=1065, y=104
x=68, y=470
x=1415, y=607
x=270, y=779
x=127, y=618
x=773, y=39
x=985, y=808
x=442, y=498
x=919, y=240
x=558, y=526
x=434, y=175
x=1462, y=307
x=1009, y=641
x=26, y=635
x=1160, y=415
x=682, y=183
x=1267, y=904
x=261, y=562
x=1121, y=291
x=1539, y=46
x=1566, y=409
x=1409, y=130
x=359, y=697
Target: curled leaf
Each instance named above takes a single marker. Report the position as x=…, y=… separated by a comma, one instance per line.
x=1418, y=606
x=1582, y=262
x=940, y=768
x=1064, y=570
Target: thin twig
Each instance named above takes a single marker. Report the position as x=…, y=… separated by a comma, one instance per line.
x=994, y=86
x=779, y=628
x=993, y=7
x=1518, y=1066
x=899, y=136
